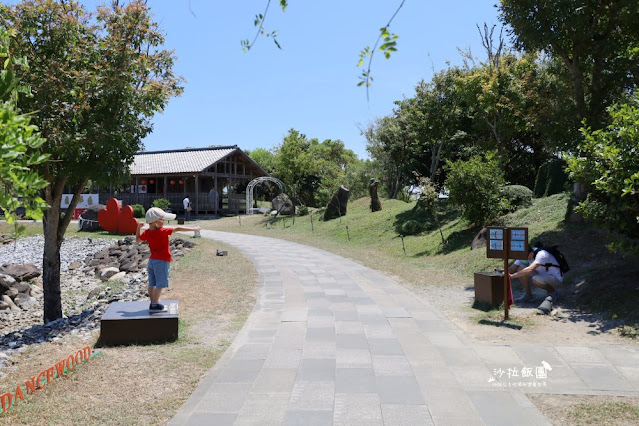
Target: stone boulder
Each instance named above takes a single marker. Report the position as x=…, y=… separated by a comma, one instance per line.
x=88, y=220
x=6, y=299
x=24, y=301
x=108, y=272
x=118, y=276
x=6, y=281
x=337, y=206
x=376, y=205
x=22, y=287
x=24, y=272
x=480, y=240
x=283, y=204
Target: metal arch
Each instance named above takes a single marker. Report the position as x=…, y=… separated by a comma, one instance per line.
x=251, y=186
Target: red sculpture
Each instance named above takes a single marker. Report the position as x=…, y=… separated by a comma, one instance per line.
x=113, y=221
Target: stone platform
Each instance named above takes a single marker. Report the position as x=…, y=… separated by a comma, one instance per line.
x=127, y=323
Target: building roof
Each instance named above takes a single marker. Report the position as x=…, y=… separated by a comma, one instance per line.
x=181, y=160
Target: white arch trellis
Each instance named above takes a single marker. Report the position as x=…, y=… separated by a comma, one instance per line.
x=251, y=186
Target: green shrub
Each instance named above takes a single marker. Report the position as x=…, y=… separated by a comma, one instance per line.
x=404, y=195
x=138, y=210
x=162, y=203
x=302, y=210
x=608, y=164
x=411, y=227
x=551, y=178
x=474, y=186
x=517, y=196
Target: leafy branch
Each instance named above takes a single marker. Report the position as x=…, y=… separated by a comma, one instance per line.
x=259, y=23
x=389, y=45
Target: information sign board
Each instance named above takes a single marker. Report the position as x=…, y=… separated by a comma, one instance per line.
x=507, y=243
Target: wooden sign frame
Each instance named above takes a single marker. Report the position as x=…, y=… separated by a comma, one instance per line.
x=506, y=243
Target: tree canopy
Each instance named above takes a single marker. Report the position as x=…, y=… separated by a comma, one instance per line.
x=596, y=40
x=97, y=79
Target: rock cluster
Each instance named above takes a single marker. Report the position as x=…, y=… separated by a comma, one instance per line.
x=96, y=273
x=5, y=239
x=114, y=262
x=16, y=293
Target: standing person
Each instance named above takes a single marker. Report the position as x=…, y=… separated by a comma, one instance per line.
x=545, y=271
x=158, y=238
x=187, y=208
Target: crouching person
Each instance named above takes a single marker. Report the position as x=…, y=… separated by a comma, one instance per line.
x=544, y=272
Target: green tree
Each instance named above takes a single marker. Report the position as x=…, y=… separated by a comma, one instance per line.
x=596, y=40
x=435, y=120
x=475, y=185
x=97, y=80
x=608, y=162
x=264, y=157
x=388, y=145
x=20, y=141
x=293, y=165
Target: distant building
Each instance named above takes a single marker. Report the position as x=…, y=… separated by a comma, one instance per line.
x=194, y=172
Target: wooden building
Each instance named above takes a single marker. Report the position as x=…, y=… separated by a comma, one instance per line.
x=200, y=173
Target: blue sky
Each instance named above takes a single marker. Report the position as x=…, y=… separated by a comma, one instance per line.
x=252, y=99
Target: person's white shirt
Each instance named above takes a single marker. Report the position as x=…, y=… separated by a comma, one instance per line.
x=544, y=257
x=186, y=202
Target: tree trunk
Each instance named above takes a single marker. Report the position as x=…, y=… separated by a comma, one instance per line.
x=51, y=265
x=54, y=228
x=577, y=83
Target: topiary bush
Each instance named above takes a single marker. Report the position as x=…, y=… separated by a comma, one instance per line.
x=411, y=227
x=551, y=178
x=517, y=196
x=162, y=203
x=138, y=210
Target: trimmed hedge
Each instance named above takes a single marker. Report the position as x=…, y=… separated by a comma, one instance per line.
x=517, y=196
x=411, y=227
x=138, y=210
x=162, y=203
x=551, y=178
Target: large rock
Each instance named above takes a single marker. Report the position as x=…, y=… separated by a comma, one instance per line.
x=283, y=204
x=376, y=205
x=337, y=206
x=6, y=281
x=118, y=276
x=21, y=272
x=108, y=272
x=22, y=287
x=6, y=299
x=24, y=301
x=129, y=265
x=480, y=240
x=88, y=220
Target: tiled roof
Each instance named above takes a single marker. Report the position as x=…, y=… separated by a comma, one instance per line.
x=178, y=161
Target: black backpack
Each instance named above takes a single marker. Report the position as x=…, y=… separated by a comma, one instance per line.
x=563, y=263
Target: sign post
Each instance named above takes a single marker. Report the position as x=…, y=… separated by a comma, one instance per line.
x=507, y=243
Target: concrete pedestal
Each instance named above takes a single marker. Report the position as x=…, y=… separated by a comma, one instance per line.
x=489, y=288
x=127, y=323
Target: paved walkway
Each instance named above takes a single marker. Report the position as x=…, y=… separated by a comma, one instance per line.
x=333, y=342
